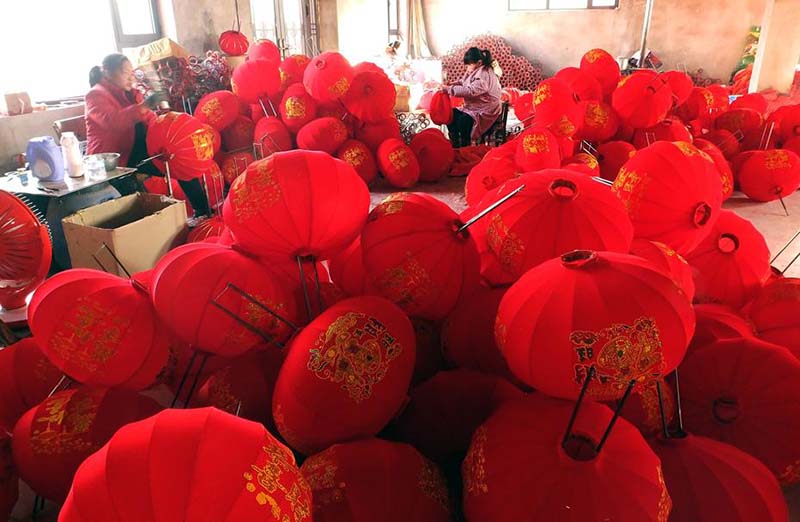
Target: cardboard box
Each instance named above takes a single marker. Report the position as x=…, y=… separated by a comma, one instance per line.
x=139, y=229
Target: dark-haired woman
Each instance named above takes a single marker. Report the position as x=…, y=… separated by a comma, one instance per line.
x=117, y=118
x=481, y=91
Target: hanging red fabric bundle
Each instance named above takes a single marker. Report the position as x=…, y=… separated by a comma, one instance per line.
x=441, y=110
x=233, y=43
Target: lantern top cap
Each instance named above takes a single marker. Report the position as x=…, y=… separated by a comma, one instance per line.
x=578, y=258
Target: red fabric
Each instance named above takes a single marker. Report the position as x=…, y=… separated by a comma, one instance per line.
x=239, y=135
x=264, y=49
x=271, y=136
x=9, y=482
x=698, y=106
x=328, y=205
x=233, y=43
x=26, y=379
x=612, y=155
x=414, y=257
x=374, y=134
x=523, y=106
x=207, y=228
x=292, y=68
x=441, y=110
x=466, y=158
x=189, y=279
x=604, y=67
x=429, y=350
x=347, y=269
x=775, y=313
x=643, y=408
x=789, y=122
x=600, y=122
x=234, y=164
x=642, y=100
x=398, y=164
x=157, y=185
x=297, y=107
x=744, y=392
x=770, y=174
x=434, y=153
x=761, y=139
x=328, y=77
x=374, y=479
x=323, y=134
x=585, y=86
x=754, y=100
x=198, y=464
x=709, y=480
x=186, y=142
x=673, y=194
x=218, y=109
x=716, y=322
x=680, y=84
x=256, y=80
x=495, y=168
x=739, y=121
x=371, y=96
x=666, y=130
x=54, y=438
x=556, y=108
x=345, y=374
x=554, y=323
x=110, y=120
x=537, y=149
x=671, y=263
x=99, y=329
x=516, y=466
x=445, y=411
x=723, y=167
x=725, y=141
x=582, y=162
x=356, y=154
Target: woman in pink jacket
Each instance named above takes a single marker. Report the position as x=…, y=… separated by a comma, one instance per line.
x=481, y=91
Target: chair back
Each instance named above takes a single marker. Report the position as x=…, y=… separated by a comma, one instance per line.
x=76, y=125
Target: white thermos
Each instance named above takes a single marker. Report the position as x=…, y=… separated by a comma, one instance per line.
x=71, y=150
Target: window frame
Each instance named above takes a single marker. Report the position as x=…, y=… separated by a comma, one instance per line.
x=125, y=41
x=589, y=5
x=394, y=33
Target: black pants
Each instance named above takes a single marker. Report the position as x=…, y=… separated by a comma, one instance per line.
x=193, y=189
x=460, y=129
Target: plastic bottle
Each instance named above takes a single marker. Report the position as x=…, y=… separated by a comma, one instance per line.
x=73, y=159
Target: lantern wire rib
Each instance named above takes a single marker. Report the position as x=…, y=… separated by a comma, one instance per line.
x=783, y=204
x=183, y=380
x=678, y=403
x=259, y=304
x=208, y=194
x=196, y=380
x=490, y=208
x=783, y=249
x=769, y=136
x=316, y=281
x=261, y=139
x=151, y=158
x=263, y=107
x=61, y=385
x=586, y=380
x=38, y=507
x=617, y=412
x=267, y=338
x=664, y=428
x=168, y=177
x=238, y=408
x=791, y=263
x=271, y=106
x=304, y=287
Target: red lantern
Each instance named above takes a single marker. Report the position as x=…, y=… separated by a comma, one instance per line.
x=26, y=379
x=745, y=392
x=768, y=175
x=537, y=149
x=345, y=375
x=643, y=407
x=602, y=66
x=754, y=100
x=584, y=85
x=415, y=256
x=516, y=466
x=739, y=121
x=671, y=263
x=358, y=156
x=709, y=480
x=642, y=100
x=523, y=107
x=672, y=192
x=297, y=107
x=680, y=84
x=98, y=329
x=256, y=80
x=212, y=227
x=184, y=141
x=52, y=439
x=328, y=205
x=732, y=263
x=723, y=167
x=667, y=130
x=698, y=106
x=233, y=43
x=371, y=96
x=775, y=313
x=9, y=482
x=323, y=134
x=584, y=163
x=557, y=211
x=271, y=136
x=490, y=173
x=556, y=107
x=600, y=122
x=444, y=411
x=292, y=68
x=157, y=185
x=612, y=155
x=374, y=134
x=615, y=312
x=434, y=154
x=264, y=49
x=347, y=269
x=725, y=141
x=234, y=164
x=429, y=350
x=793, y=145
x=191, y=278
x=199, y=464
x=239, y=135
x=788, y=122
x=441, y=110
x=328, y=76
x=716, y=322
x=25, y=249
x=218, y=109
x=374, y=479
x=398, y=164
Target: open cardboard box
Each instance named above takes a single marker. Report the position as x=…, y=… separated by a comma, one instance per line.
x=138, y=229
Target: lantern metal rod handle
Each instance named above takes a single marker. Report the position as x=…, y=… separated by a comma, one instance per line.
x=259, y=304
x=183, y=379
x=151, y=158
x=617, y=412
x=782, y=250
x=578, y=403
x=678, y=408
x=305, y=287
x=490, y=208
x=267, y=338
x=664, y=427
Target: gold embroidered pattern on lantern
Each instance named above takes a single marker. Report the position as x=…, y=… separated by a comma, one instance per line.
x=320, y=473
x=212, y=110
x=594, y=55
x=354, y=156
x=89, y=336
x=399, y=158
x=295, y=107
x=267, y=480
x=355, y=351
x=392, y=204
x=203, y=143
x=474, y=466
x=256, y=316
x=340, y=87
x=535, y=143
x=596, y=115
x=665, y=502
x=776, y=159
x=220, y=393
x=790, y=475
x=256, y=190
x=708, y=97
x=432, y=484
x=620, y=353
x=406, y=283
x=62, y=423
x=506, y=245
x=629, y=187
x=648, y=397
x=541, y=94
x=565, y=127
x=280, y=422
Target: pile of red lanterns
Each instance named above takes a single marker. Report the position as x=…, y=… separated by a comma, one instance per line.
x=564, y=349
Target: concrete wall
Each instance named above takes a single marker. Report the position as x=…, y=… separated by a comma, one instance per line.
x=328, y=25
x=15, y=131
x=198, y=23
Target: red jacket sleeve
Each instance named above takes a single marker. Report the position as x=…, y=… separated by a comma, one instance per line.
x=106, y=115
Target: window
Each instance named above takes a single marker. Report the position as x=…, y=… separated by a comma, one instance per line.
x=135, y=22
x=394, y=20
x=554, y=5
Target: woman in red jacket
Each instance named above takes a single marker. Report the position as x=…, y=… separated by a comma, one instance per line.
x=117, y=119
